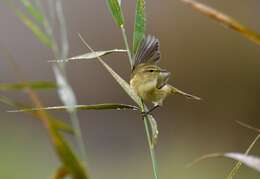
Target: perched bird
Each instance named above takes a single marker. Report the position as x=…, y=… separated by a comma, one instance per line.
x=148, y=80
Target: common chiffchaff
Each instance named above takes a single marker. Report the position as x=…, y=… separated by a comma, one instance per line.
x=148, y=80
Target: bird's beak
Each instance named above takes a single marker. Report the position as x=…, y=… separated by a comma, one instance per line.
x=165, y=74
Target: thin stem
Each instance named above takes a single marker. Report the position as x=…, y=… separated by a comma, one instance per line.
x=62, y=54
x=76, y=127
x=238, y=164
x=151, y=148
x=126, y=45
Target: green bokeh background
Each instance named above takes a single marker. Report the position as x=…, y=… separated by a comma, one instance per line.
x=205, y=59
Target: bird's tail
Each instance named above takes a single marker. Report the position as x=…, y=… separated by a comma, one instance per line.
x=177, y=91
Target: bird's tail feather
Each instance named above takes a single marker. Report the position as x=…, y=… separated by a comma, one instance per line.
x=190, y=96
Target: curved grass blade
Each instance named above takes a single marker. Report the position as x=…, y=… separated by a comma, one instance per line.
x=70, y=161
x=83, y=107
x=116, y=12
x=248, y=160
x=36, y=85
x=46, y=40
x=225, y=20
x=34, y=12
x=235, y=169
x=57, y=123
x=139, y=29
x=91, y=55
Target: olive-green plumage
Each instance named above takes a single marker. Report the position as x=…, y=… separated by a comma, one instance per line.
x=148, y=80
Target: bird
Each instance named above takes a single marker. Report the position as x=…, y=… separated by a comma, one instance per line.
x=148, y=80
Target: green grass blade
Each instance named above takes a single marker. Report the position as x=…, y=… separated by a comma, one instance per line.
x=104, y=106
x=139, y=29
x=39, y=34
x=225, y=20
x=68, y=158
x=37, y=85
x=33, y=11
x=91, y=55
x=116, y=12
x=62, y=126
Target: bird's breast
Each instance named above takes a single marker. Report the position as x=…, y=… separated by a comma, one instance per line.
x=147, y=90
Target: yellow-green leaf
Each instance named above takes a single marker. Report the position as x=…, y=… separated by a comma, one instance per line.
x=33, y=11
x=61, y=173
x=116, y=12
x=36, y=30
x=139, y=29
x=68, y=158
x=36, y=85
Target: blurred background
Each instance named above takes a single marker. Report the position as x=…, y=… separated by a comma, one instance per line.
x=205, y=59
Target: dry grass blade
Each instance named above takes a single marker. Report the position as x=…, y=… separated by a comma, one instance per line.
x=248, y=126
x=249, y=160
x=91, y=55
x=225, y=20
x=207, y=156
x=235, y=169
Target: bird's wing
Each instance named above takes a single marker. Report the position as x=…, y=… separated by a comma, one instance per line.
x=148, y=51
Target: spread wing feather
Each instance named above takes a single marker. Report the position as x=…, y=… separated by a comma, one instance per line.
x=148, y=51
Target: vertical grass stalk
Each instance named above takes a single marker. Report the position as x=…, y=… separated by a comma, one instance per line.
x=151, y=148
x=127, y=45
x=147, y=131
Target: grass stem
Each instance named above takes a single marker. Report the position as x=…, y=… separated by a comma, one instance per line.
x=151, y=149
x=147, y=131
x=127, y=46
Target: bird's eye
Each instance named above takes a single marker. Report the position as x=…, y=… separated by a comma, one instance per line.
x=151, y=70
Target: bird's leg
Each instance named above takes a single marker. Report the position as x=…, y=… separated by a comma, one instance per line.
x=150, y=110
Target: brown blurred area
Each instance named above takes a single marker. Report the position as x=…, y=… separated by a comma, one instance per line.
x=205, y=59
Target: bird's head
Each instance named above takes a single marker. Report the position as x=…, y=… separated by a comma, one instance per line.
x=150, y=72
